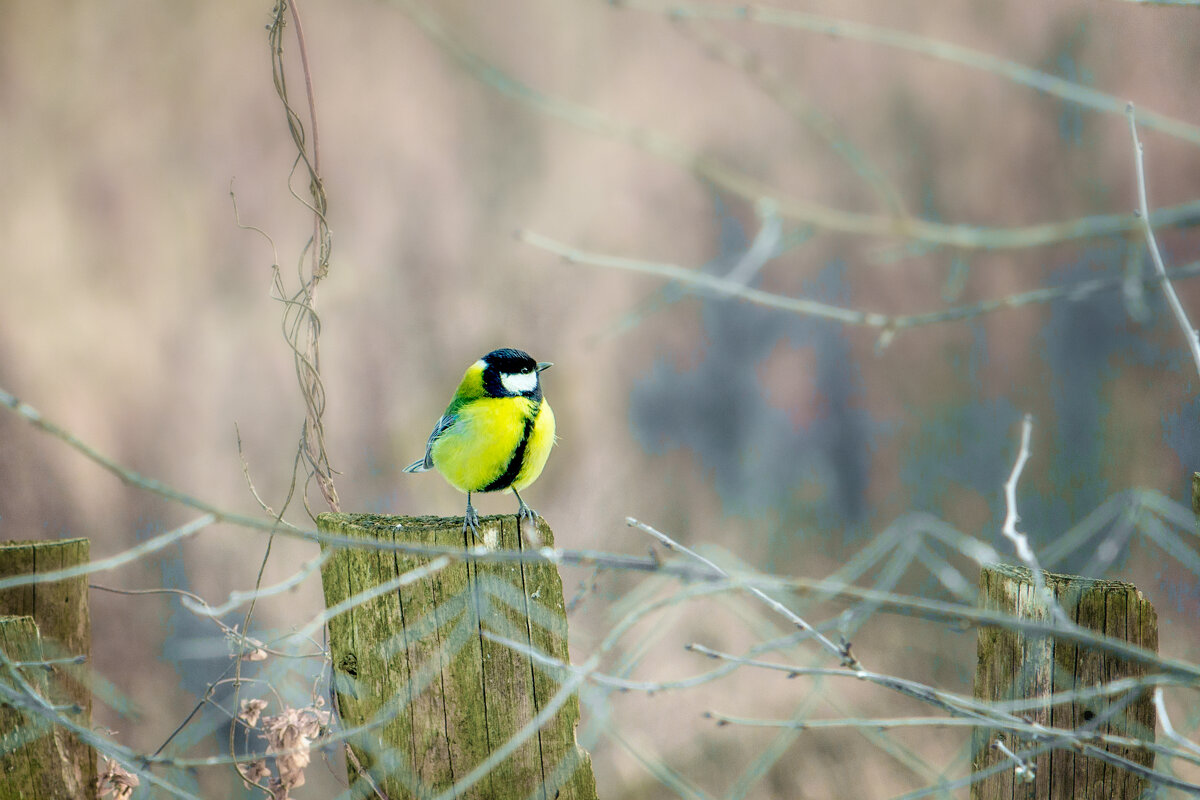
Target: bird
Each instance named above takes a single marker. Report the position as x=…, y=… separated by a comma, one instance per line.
x=496, y=434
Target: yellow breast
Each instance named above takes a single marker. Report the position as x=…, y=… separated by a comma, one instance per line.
x=537, y=449
x=496, y=443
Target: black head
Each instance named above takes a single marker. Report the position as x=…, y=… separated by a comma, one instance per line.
x=511, y=373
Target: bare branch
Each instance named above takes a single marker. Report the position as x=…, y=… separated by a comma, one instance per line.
x=887, y=323
x=839, y=28
x=1189, y=331
x=1020, y=540
x=833, y=219
x=774, y=604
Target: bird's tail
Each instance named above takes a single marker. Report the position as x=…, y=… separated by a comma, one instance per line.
x=420, y=465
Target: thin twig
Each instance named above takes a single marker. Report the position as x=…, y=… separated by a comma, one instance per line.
x=302, y=328
x=1011, y=518
x=1168, y=728
x=362, y=773
x=774, y=604
x=721, y=287
x=386, y=587
x=838, y=28
x=1189, y=331
x=888, y=602
x=243, y=644
x=785, y=93
x=19, y=693
x=250, y=483
x=1022, y=769
x=744, y=185
x=236, y=598
x=566, y=691
x=112, y=562
x=714, y=283
x=1020, y=540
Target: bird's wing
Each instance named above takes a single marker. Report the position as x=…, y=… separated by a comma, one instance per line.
x=422, y=464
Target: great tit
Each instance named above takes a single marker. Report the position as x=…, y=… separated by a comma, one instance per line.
x=496, y=433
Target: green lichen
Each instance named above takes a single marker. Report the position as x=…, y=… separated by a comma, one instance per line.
x=440, y=696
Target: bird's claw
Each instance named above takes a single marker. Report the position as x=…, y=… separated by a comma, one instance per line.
x=471, y=520
x=531, y=530
x=527, y=513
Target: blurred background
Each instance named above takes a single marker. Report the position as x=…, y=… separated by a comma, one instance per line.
x=136, y=313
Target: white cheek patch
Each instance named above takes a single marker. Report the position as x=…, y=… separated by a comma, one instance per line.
x=519, y=383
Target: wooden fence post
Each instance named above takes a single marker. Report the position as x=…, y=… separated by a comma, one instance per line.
x=31, y=761
x=1014, y=665
x=413, y=662
x=59, y=611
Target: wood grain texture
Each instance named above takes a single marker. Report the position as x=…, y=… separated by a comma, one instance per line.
x=1013, y=665
x=60, y=611
x=433, y=696
x=34, y=756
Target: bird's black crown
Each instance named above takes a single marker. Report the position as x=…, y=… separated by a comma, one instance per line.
x=510, y=361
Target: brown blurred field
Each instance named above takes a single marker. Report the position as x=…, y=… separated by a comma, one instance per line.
x=137, y=314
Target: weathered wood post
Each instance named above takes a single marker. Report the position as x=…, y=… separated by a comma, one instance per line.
x=31, y=761
x=1015, y=665
x=416, y=671
x=62, y=631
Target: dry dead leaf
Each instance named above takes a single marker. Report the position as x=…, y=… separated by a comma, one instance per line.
x=251, y=709
x=116, y=780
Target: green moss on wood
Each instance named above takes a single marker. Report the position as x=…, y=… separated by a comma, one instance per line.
x=60, y=611
x=32, y=753
x=1013, y=665
x=415, y=664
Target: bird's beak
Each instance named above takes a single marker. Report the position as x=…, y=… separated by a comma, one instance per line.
x=544, y=365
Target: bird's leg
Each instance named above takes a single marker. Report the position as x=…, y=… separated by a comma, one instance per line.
x=525, y=512
x=471, y=519
x=530, y=516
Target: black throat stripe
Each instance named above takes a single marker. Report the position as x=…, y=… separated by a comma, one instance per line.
x=517, y=461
